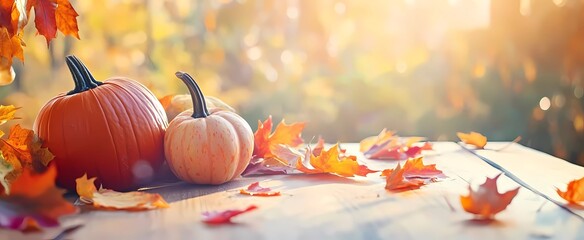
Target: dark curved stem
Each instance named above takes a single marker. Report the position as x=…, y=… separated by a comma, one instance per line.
x=89, y=79
x=199, y=105
x=80, y=85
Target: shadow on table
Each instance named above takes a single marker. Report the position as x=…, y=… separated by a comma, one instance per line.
x=178, y=191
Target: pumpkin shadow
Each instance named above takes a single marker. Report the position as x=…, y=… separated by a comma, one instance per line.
x=179, y=191
x=477, y=222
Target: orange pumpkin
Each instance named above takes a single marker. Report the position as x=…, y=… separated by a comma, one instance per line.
x=112, y=130
x=207, y=147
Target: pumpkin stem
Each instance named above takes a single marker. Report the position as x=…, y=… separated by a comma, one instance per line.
x=87, y=77
x=199, y=104
x=80, y=85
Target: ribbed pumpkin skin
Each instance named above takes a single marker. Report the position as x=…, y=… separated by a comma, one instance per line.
x=104, y=132
x=210, y=150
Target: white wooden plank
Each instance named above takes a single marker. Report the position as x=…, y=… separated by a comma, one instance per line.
x=325, y=206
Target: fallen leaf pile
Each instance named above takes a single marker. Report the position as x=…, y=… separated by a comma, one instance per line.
x=33, y=202
x=331, y=161
x=109, y=199
x=21, y=150
x=223, y=217
x=275, y=152
x=255, y=189
x=574, y=191
x=486, y=201
x=388, y=145
x=50, y=16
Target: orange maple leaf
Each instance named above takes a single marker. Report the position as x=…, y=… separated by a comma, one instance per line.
x=396, y=180
x=9, y=16
x=574, y=191
x=66, y=18
x=473, y=138
x=23, y=149
x=487, y=201
x=265, y=141
x=388, y=145
x=109, y=199
x=53, y=15
x=16, y=150
x=415, y=168
x=34, y=201
x=330, y=161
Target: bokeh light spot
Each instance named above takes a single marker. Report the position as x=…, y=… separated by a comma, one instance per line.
x=545, y=103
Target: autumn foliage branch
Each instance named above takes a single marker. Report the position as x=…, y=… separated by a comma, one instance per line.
x=49, y=16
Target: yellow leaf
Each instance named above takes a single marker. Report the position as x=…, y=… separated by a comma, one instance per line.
x=330, y=161
x=574, y=191
x=473, y=138
x=109, y=199
x=85, y=187
x=7, y=113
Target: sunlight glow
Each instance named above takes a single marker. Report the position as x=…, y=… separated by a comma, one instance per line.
x=545, y=103
x=340, y=8
x=525, y=7
x=578, y=92
x=254, y=53
x=292, y=12
x=559, y=3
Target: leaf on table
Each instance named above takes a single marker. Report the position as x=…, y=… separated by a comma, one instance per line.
x=320, y=146
x=396, y=181
x=574, y=191
x=255, y=189
x=274, y=152
x=224, y=217
x=415, y=168
x=487, y=201
x=34, y=202
x=375, y=141
x=109, y=199
x=388, y=145
x=331, y=161
x=265, y=140
x=283, y=162
x=473, y=138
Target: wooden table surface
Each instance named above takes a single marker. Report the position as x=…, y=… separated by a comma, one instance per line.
x=330, y=207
